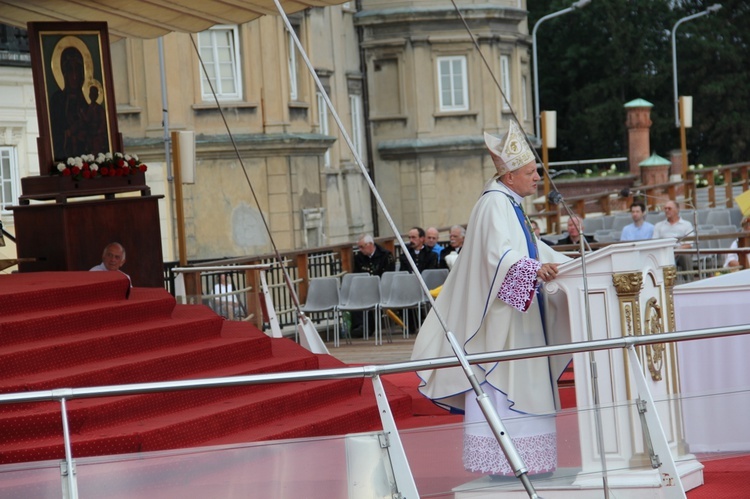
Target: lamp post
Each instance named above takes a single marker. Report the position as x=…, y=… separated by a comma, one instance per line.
x=710, y=9
x=577, y=5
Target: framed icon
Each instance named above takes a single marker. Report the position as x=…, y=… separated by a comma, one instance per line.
x=74, y=91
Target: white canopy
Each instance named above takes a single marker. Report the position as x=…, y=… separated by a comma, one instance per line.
x=148, y=18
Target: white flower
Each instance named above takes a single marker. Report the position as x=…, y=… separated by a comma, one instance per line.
x=100, y=158
x=61, y=167
x=691, y=167
x=602, y=174
x=613, y=167
x=700, y=166
x=118, y=155
x=135, y=157
x=127, y=157
x=94, y=167
x=71, y=161
x=78, y=162
x=108, y=155
x=588, y=171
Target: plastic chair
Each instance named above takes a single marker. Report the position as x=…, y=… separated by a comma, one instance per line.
x=619, y=222
x=434, y=277
x=719, y=216
x=323, y=297
x=364, y=296
x=406, y=293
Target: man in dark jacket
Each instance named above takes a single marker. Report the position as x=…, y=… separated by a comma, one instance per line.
x=423, y=257
x=372, y=258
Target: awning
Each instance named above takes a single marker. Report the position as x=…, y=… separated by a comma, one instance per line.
x=148, y=18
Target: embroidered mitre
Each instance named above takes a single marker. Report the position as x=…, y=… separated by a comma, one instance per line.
x=510, y=152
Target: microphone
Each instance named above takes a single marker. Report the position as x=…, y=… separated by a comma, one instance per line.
x=554, y=197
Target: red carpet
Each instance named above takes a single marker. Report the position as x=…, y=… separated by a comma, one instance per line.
x=76, y=329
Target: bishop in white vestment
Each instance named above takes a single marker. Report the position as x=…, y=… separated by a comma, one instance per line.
x=490, y=301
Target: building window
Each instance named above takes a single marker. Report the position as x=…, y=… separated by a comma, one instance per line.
x=323, y=120
x=293, y=73
x=525, y=98
x=358, y=125
x=452, y=83
x=8, y=169
x=505, y=81
x=219, y=49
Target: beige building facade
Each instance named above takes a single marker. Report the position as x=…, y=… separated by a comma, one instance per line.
x=405, y=78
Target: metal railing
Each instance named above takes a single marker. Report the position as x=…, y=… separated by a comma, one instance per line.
x=402, y=472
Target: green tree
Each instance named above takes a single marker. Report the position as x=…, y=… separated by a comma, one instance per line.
x=594, y=60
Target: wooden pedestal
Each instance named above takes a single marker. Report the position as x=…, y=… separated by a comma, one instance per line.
x=72, y=236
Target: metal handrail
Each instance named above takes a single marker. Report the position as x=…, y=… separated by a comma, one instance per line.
x=369, y=371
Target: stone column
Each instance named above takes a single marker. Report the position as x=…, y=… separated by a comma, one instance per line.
x=638, y=122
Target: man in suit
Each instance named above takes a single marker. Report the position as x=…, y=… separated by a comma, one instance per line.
x=575, y=229
x=423, y=256
x=457, y=235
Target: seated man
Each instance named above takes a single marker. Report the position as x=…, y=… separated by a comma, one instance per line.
x=733, y=260
x=678, y=228
x=575, y=229
x=431, y=238
x=372, y=258
x=640, y=229
x=450, y=254
x=113, y=257
x=423, y=257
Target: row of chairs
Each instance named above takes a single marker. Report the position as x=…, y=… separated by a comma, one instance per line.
x=394, y=291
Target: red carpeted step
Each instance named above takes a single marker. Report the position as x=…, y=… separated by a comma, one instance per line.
x=193, y=425
x=167, y=363
x=88, y=315
x=43, y=419
x=76, y=349
x=36, y=291
x=352, y=415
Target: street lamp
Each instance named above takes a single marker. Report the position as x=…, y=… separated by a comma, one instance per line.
x=710, y=9
x=577, y=5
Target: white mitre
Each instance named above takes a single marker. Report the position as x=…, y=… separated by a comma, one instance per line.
x=510, y=152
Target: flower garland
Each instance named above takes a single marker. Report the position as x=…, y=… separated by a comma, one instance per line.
x=101, y=165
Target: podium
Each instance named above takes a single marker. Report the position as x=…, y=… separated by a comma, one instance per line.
x=72, y=235
x=630, y=293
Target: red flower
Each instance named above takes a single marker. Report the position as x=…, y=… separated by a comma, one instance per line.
x=104, y=171
x=143, y=167
x=86, y=173
x=131, y=162
x=66, y=172
x=76, y=170
x=120, y=163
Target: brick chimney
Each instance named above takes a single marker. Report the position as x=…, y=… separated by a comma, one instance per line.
x=638, y=121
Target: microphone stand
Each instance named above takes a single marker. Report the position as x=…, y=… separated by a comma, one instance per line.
x=583, y=244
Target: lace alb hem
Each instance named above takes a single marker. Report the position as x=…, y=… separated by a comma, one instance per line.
x=483, y=454
x=519, y=284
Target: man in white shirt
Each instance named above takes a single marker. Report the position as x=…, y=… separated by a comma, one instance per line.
x=113, y=258
x=640, y=229
x=678, y=228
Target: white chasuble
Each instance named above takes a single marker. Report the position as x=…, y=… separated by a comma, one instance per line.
x=493, y=262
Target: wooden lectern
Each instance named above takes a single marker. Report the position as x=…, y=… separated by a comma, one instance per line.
x=630, y=294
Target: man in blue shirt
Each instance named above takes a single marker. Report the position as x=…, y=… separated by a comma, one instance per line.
x=640, y=228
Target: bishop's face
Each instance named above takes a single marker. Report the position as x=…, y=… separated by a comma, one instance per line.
x=523, y=181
